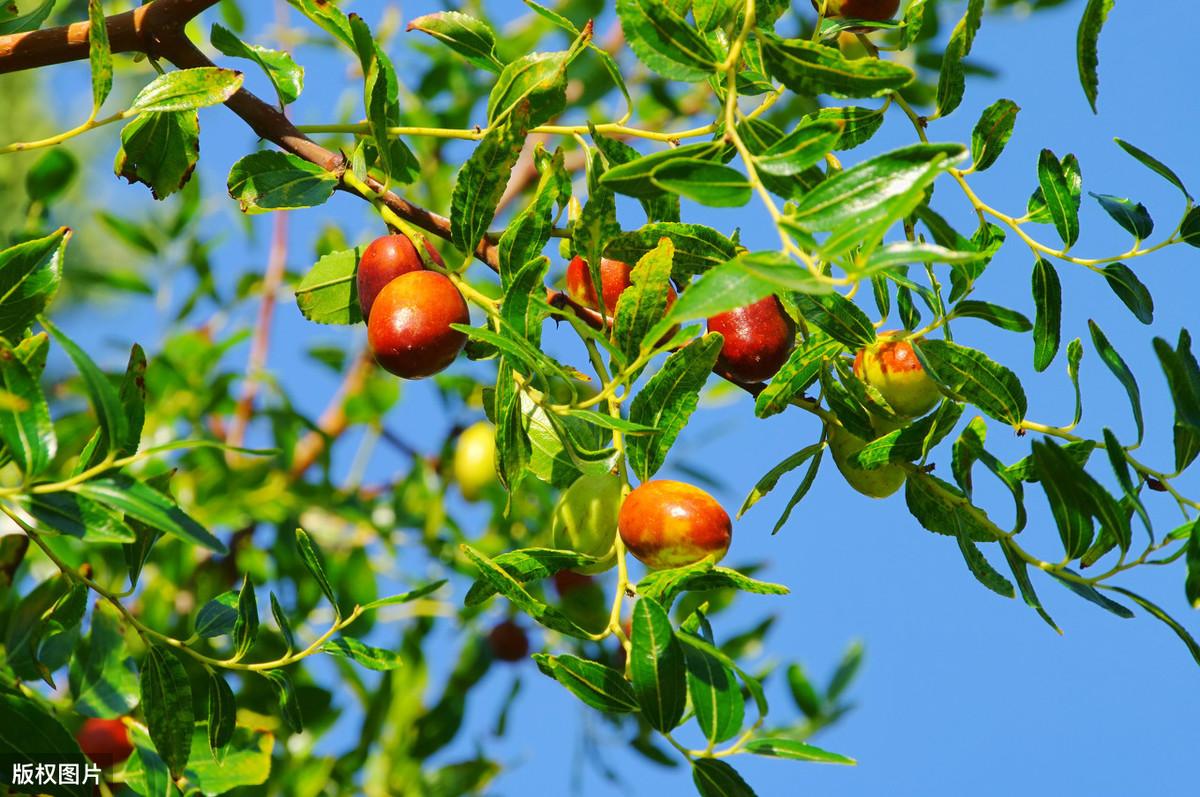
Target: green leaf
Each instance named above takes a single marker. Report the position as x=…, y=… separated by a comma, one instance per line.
x=600, y=687
x=706, y=183
x=482, y=179
x=508, y=586
x=858, y=196
x=245, y=627
x=29, y=276
x=1020, y=571
x=1181, y=632
x=806, y=361
x=469, y=37
x=99, y=55
x=1121, y=371
x=994, y=314
x=272, y=180
x=809, y=68
x=222, y=716
x=25, y=425
x=103, y=677
x=51, y=175
x=1153, y=164
x=771, y=478
x=697, y=248
x=910, y=442
x=969, y=375
x=30, y=20
x=188, y=89
x=1060, y=195
x=1063, y=480
x=406, y=597
x=167, y=705
x=805, y=146
x=1192, y=585
x=644, y=303
x=858, y=124
x=328, y=293
x=992, y=132
x=33, y=735
x=663, y=41
x=656, y=666
x=285, y=74
x=952, y=79
x=529, y=231
x=1132, y=216
x=370, y=657
x=1086, y=52
x=381, y=92
x=311, y=556
x=666, y=585
x=1047, y=299
x=715, y=694
x=838, y=317
x=1091, y=594
x=714, y=778
x=1189, y=229
x=246, y=761
x=525, y=565
x=983, y=571
x=782, y=747
x=106, y=402
x=328, y=17
x=218, y=616
x=1130, y=290
x=635, y=176
x=145, y=504
x=941, y=508
x=539, y=79
x=668, y=400
x=289, y=703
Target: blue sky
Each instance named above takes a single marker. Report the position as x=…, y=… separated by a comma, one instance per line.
x=962, y=690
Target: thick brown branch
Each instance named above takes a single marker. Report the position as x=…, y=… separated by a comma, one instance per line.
x=140, y=30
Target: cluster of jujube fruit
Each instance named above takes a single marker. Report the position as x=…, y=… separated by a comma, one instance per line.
x=664, y=524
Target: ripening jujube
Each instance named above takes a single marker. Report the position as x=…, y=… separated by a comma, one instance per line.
x=508, y=641
x=874, y=10
x=384, y=259
x=614, y=279
x=585, y=519
x=758, y=340
x=890, y=365
x=872, y=482
x=474, y=464
x=668, y=524
x=409, y=327
x=106, y=742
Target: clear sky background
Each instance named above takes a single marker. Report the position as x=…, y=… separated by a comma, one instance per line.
x=962, y=691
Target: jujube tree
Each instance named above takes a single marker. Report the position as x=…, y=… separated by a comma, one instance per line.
x=571, y=342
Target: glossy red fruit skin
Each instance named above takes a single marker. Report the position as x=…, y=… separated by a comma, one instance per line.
x=614, y=279
x=669, y=524
x=508, y=642
x=409, y=329
x=758, y=340
x=567, y=581
x=874, y=10
x=106, y=742
x=382, y=261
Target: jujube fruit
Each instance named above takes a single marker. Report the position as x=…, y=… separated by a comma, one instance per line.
x=614, y=279
x=106, y=742
x=508, y=641
x=758, y=339
x=876, y=482
x=568, y=581
x=891, y=366
x=585, y=519
x=382, y=261
x=409, y=328
x=669, y=524
x=874, y=10
x=475, y=459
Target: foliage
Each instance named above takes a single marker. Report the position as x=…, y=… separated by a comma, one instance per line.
x=143, y=534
